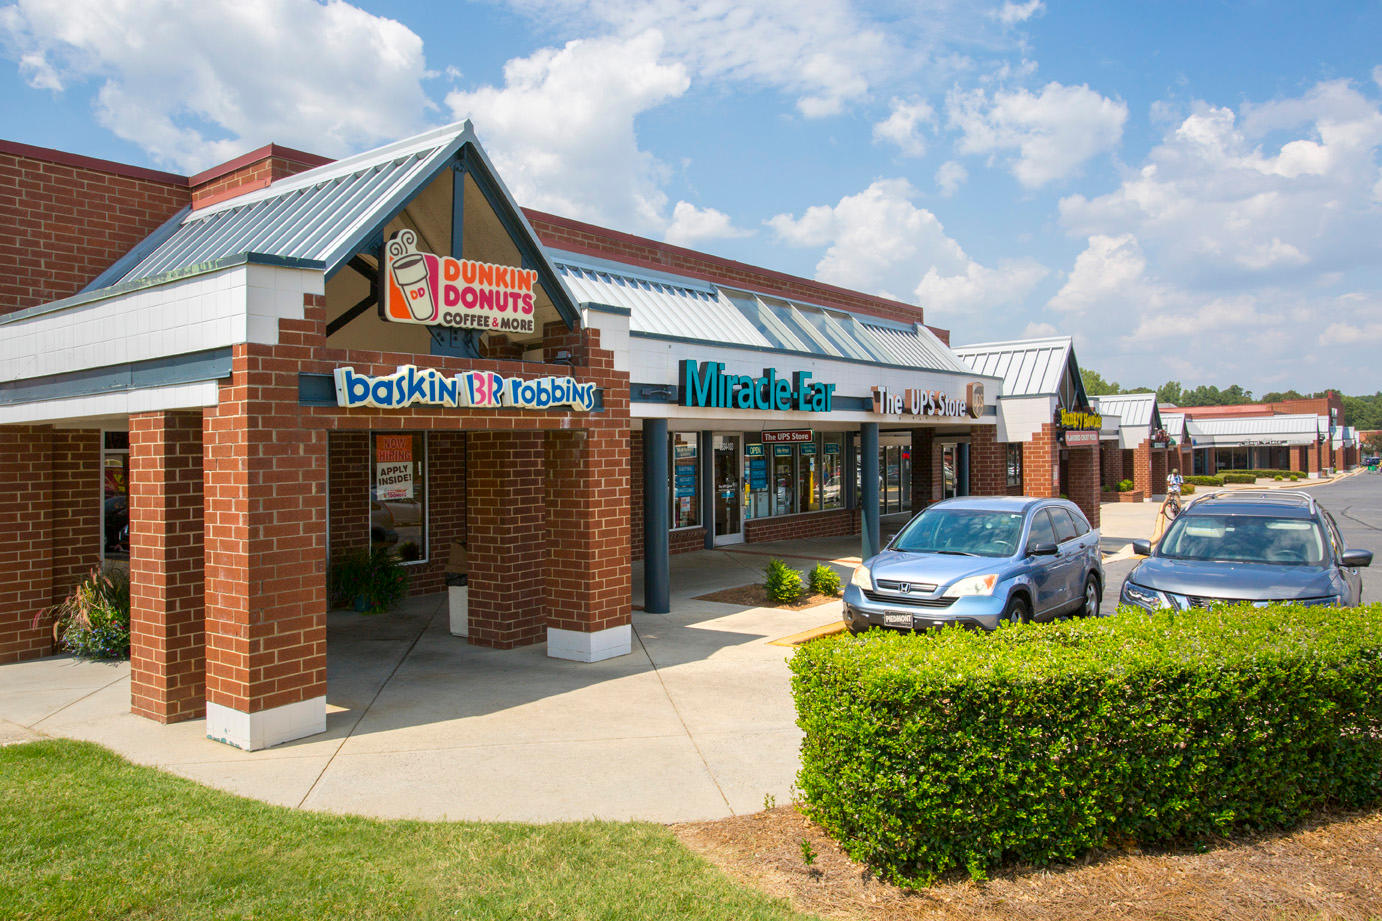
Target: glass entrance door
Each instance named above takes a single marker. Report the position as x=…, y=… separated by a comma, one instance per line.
x=729, y=522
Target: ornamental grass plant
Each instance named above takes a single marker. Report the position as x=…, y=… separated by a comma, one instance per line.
x=93, y=621
x=963, y=751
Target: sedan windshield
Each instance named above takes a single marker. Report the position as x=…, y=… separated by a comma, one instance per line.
x=1245, y=539
x=964, y=531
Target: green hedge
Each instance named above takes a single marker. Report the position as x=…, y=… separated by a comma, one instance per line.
x=1205, y=480
x=964, y=750
x=1239, y=478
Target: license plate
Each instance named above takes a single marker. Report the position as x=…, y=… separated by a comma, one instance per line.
x=891, y=619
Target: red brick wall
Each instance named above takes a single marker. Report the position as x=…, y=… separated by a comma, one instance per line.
x=26, y=518
x=253, y=170
x=348, y=498
x=835, y=523
x=1084, y=481
x=587, y=528
x=1159, y=472
x=1141, y=474
x=575, y=236
x=1040, y=454
x=508, y=549
x=446, y=513
x=77, y=504
x=68, y=218
x=988, y=462
x=167, y=586
x=1111, y=460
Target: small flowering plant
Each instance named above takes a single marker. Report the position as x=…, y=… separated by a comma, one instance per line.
x=93, y=621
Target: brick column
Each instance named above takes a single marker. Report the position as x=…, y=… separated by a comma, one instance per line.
x=167, y=585
x=265, y=486
x=924, y=468
x=1142, y=469
x=987, y=462
x=1110, y=463
x=1159, y=472
x=1084, y=481
x=1313, y=458
x=26, y=520
x=77, y=507
x=507, y=544
x=1040, y=455
x=587, y=560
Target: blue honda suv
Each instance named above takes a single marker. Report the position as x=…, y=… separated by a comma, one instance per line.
x=979, y=562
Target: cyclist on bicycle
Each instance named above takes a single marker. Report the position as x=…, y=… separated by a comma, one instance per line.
x=1174, y=482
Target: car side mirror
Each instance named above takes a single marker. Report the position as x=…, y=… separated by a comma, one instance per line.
x=1355, y=558
x=1043, y=549
x=1142, y=547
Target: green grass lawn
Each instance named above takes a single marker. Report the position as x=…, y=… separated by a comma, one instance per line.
x=86, y=834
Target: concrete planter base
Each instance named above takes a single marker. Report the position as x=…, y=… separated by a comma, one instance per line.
x=458, y=601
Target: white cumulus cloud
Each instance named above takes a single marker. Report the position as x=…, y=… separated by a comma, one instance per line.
x=878, y=240
x=1048, y=135
x=950, y=175
x=561, y=128
x=195, y=84
x=690, y=225
x=904, y=125
x=1010, y=13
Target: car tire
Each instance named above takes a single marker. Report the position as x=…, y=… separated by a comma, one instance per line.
x=1089, y=606
x=1017, y=611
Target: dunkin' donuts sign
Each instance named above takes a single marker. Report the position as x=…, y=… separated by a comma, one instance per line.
x=460, y=293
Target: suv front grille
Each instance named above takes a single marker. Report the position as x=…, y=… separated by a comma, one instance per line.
x=908, y=600
x=920, y=588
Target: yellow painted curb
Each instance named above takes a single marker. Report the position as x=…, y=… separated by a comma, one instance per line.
x=805, y=636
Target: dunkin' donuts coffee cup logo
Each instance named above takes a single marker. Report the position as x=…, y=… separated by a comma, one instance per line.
x=461, y=293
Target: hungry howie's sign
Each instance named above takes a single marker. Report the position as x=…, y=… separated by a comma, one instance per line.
x=411, y=386
x=460, y=293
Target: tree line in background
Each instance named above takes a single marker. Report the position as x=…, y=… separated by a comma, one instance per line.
x=1361, y=412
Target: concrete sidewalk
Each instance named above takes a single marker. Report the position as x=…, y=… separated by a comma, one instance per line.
x=697, y=723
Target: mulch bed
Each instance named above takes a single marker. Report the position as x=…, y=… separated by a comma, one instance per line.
x=756, y=596
x=1331, y=868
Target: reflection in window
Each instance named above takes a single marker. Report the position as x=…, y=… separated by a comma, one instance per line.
x=784, y=479
x=757, y=496
x=115, y=495
x=832, y=470
x=808, y=477
x=1014, y=465
x=398, y=494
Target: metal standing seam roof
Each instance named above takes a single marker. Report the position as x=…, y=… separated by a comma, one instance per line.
x=1029, y=367
x=703, y=311
x=314, y=215
x=1286, y=424
x=1135, y=408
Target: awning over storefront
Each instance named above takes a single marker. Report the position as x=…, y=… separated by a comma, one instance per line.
x=1260, y=431
x=672, y=307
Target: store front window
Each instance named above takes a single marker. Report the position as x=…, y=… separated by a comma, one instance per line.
x=832, y=471
x=1014, y=465
x=784, y=479
x=758, y=498
x=686, y=507
x=115, y=495
x=949, y=459
x=398, y=494
x=808, y=477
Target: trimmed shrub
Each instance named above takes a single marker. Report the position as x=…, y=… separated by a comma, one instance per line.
x=784, y=584
x=1205, y=480
x=1239, y=478
x=957, y=750
x=1126, y=486
x=825, y=581
x=1187, y=489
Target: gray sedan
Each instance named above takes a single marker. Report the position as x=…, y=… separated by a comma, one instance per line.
x=979, y=562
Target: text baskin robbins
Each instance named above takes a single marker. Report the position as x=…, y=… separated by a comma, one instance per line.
x=410, y=385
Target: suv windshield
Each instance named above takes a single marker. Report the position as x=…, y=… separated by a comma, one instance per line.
x=962, y=530
x=1245, y=539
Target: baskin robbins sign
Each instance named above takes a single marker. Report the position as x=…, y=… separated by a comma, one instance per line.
x=412, y=386
x=461, y=293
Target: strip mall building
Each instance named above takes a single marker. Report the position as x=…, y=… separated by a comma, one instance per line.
x=234, y=378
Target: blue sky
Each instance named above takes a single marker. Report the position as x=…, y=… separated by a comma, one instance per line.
x=1192, y=190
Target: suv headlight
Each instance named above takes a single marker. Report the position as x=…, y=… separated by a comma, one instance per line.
x=974, y=585
x=1147, y=598
x=862, y=578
